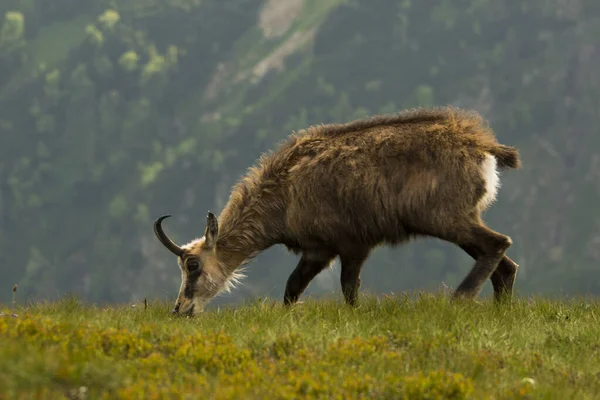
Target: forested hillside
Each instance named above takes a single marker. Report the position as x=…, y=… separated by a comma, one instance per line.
x=115, y=112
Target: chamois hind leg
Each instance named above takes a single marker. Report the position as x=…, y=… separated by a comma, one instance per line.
x=352, y=262
x=487, y=246
x=503, y=278
x=491, y=248
x=311, y=263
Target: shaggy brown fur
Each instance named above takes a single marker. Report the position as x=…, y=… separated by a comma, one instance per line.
x=342, y=189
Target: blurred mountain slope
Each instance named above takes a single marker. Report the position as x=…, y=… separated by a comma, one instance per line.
x=116, y=112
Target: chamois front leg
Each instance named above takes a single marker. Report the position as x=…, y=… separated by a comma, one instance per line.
x=352, y=263
x=311, y=263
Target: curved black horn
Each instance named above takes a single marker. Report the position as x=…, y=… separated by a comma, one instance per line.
x=164, y=239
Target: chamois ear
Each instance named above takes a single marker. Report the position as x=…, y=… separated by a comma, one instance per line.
x=212, y=230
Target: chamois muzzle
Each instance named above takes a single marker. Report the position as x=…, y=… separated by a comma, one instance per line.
x=164, y=239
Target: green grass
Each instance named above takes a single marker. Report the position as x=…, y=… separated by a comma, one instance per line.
x=418, y=347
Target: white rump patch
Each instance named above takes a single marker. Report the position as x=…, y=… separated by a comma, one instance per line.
x=490, y=175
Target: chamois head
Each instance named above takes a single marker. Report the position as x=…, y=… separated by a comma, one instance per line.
x=202, y=276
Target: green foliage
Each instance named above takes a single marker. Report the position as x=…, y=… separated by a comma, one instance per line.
x=394, y=347
x=129, y=60
x=94, y=35
x=109, y=19
x=12, y=29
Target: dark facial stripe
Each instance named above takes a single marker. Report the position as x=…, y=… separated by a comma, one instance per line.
x=190, y=283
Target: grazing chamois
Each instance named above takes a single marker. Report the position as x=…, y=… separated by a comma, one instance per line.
x=343, y=189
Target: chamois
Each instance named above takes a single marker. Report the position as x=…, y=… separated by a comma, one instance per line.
x=343, y=189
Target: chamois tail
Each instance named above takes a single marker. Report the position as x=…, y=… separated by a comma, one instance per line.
x=507, y=156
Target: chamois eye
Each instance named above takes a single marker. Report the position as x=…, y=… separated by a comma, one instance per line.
x=192, y=265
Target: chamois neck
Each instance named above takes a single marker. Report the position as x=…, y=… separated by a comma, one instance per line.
x=249, y=222
x=242, y=242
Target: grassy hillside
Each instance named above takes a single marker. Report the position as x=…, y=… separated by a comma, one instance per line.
x=417, y=347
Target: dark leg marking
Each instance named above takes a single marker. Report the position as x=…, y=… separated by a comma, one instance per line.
x=490, y=248
x=503, y=278
x=352, y=263
x=311, y=263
